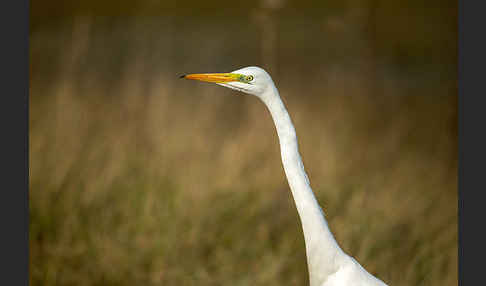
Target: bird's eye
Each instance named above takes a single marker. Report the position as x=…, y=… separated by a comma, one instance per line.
x=249, y=78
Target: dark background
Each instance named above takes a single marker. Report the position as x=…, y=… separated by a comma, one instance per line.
x=137, y=177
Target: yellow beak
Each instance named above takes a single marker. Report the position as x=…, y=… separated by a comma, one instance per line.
x=213, y=77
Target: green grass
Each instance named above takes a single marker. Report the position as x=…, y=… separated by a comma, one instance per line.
x=108, y=206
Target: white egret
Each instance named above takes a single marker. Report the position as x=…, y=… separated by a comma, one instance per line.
x=327, y=263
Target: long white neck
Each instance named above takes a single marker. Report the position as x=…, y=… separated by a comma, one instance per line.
x=323, y=252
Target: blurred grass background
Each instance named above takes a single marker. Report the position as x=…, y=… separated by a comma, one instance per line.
x=138, y=178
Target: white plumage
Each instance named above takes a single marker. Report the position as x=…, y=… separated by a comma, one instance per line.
x=328, y=265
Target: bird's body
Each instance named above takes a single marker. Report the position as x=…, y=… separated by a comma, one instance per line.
x=328, y=265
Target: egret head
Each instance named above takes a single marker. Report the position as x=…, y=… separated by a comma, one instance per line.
x=251, y=80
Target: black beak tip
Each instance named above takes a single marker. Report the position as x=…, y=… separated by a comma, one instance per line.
x=182, y=76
